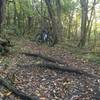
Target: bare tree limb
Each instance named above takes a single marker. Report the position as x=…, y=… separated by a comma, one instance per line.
x=17, y=92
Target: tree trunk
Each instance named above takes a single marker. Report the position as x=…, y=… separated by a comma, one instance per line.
x=8, y=13
x=1, y=17
x=70, y=18
x=84, y=17
x=52, y=17
x=59, y=24
x=91, y=19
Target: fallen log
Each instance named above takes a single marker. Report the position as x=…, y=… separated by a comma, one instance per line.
x=17, y=92
x=47, y=58
x=59, y=65
x=63, y=68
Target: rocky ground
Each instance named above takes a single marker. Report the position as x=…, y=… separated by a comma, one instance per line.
x=50, y=84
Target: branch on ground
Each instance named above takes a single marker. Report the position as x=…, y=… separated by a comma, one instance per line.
x=6, y=83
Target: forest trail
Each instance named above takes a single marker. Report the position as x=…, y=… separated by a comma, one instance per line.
x=51, y=84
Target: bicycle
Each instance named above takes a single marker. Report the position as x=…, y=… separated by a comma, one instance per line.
x=45, y=37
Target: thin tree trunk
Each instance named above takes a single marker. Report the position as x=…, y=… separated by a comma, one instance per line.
x=59, y=24
x=84, y=6
x=1, y=17
x=8, y=14
x=90, y=21
x=52, y=17
x=70, y=17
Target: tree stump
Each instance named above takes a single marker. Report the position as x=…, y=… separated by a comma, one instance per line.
x=4, y=46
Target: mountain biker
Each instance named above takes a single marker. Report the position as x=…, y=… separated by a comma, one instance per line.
x=44, y=35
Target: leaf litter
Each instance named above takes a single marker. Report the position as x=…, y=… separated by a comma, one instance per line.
x=50, y=84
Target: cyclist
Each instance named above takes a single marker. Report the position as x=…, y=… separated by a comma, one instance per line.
x=44, y=35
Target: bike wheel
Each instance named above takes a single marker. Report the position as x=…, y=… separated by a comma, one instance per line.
x=38, y=39
x=50, y=42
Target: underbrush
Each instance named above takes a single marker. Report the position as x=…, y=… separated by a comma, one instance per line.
x=90, y=52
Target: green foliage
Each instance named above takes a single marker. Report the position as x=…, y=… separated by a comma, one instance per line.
x=69, y=5
x=19, y=11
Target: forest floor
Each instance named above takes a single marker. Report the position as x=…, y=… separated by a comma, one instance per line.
x=48, y=84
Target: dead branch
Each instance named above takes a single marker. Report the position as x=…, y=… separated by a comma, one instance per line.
x=14, y=90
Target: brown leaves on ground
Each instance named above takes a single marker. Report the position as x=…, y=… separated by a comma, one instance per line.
x=49, y=84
